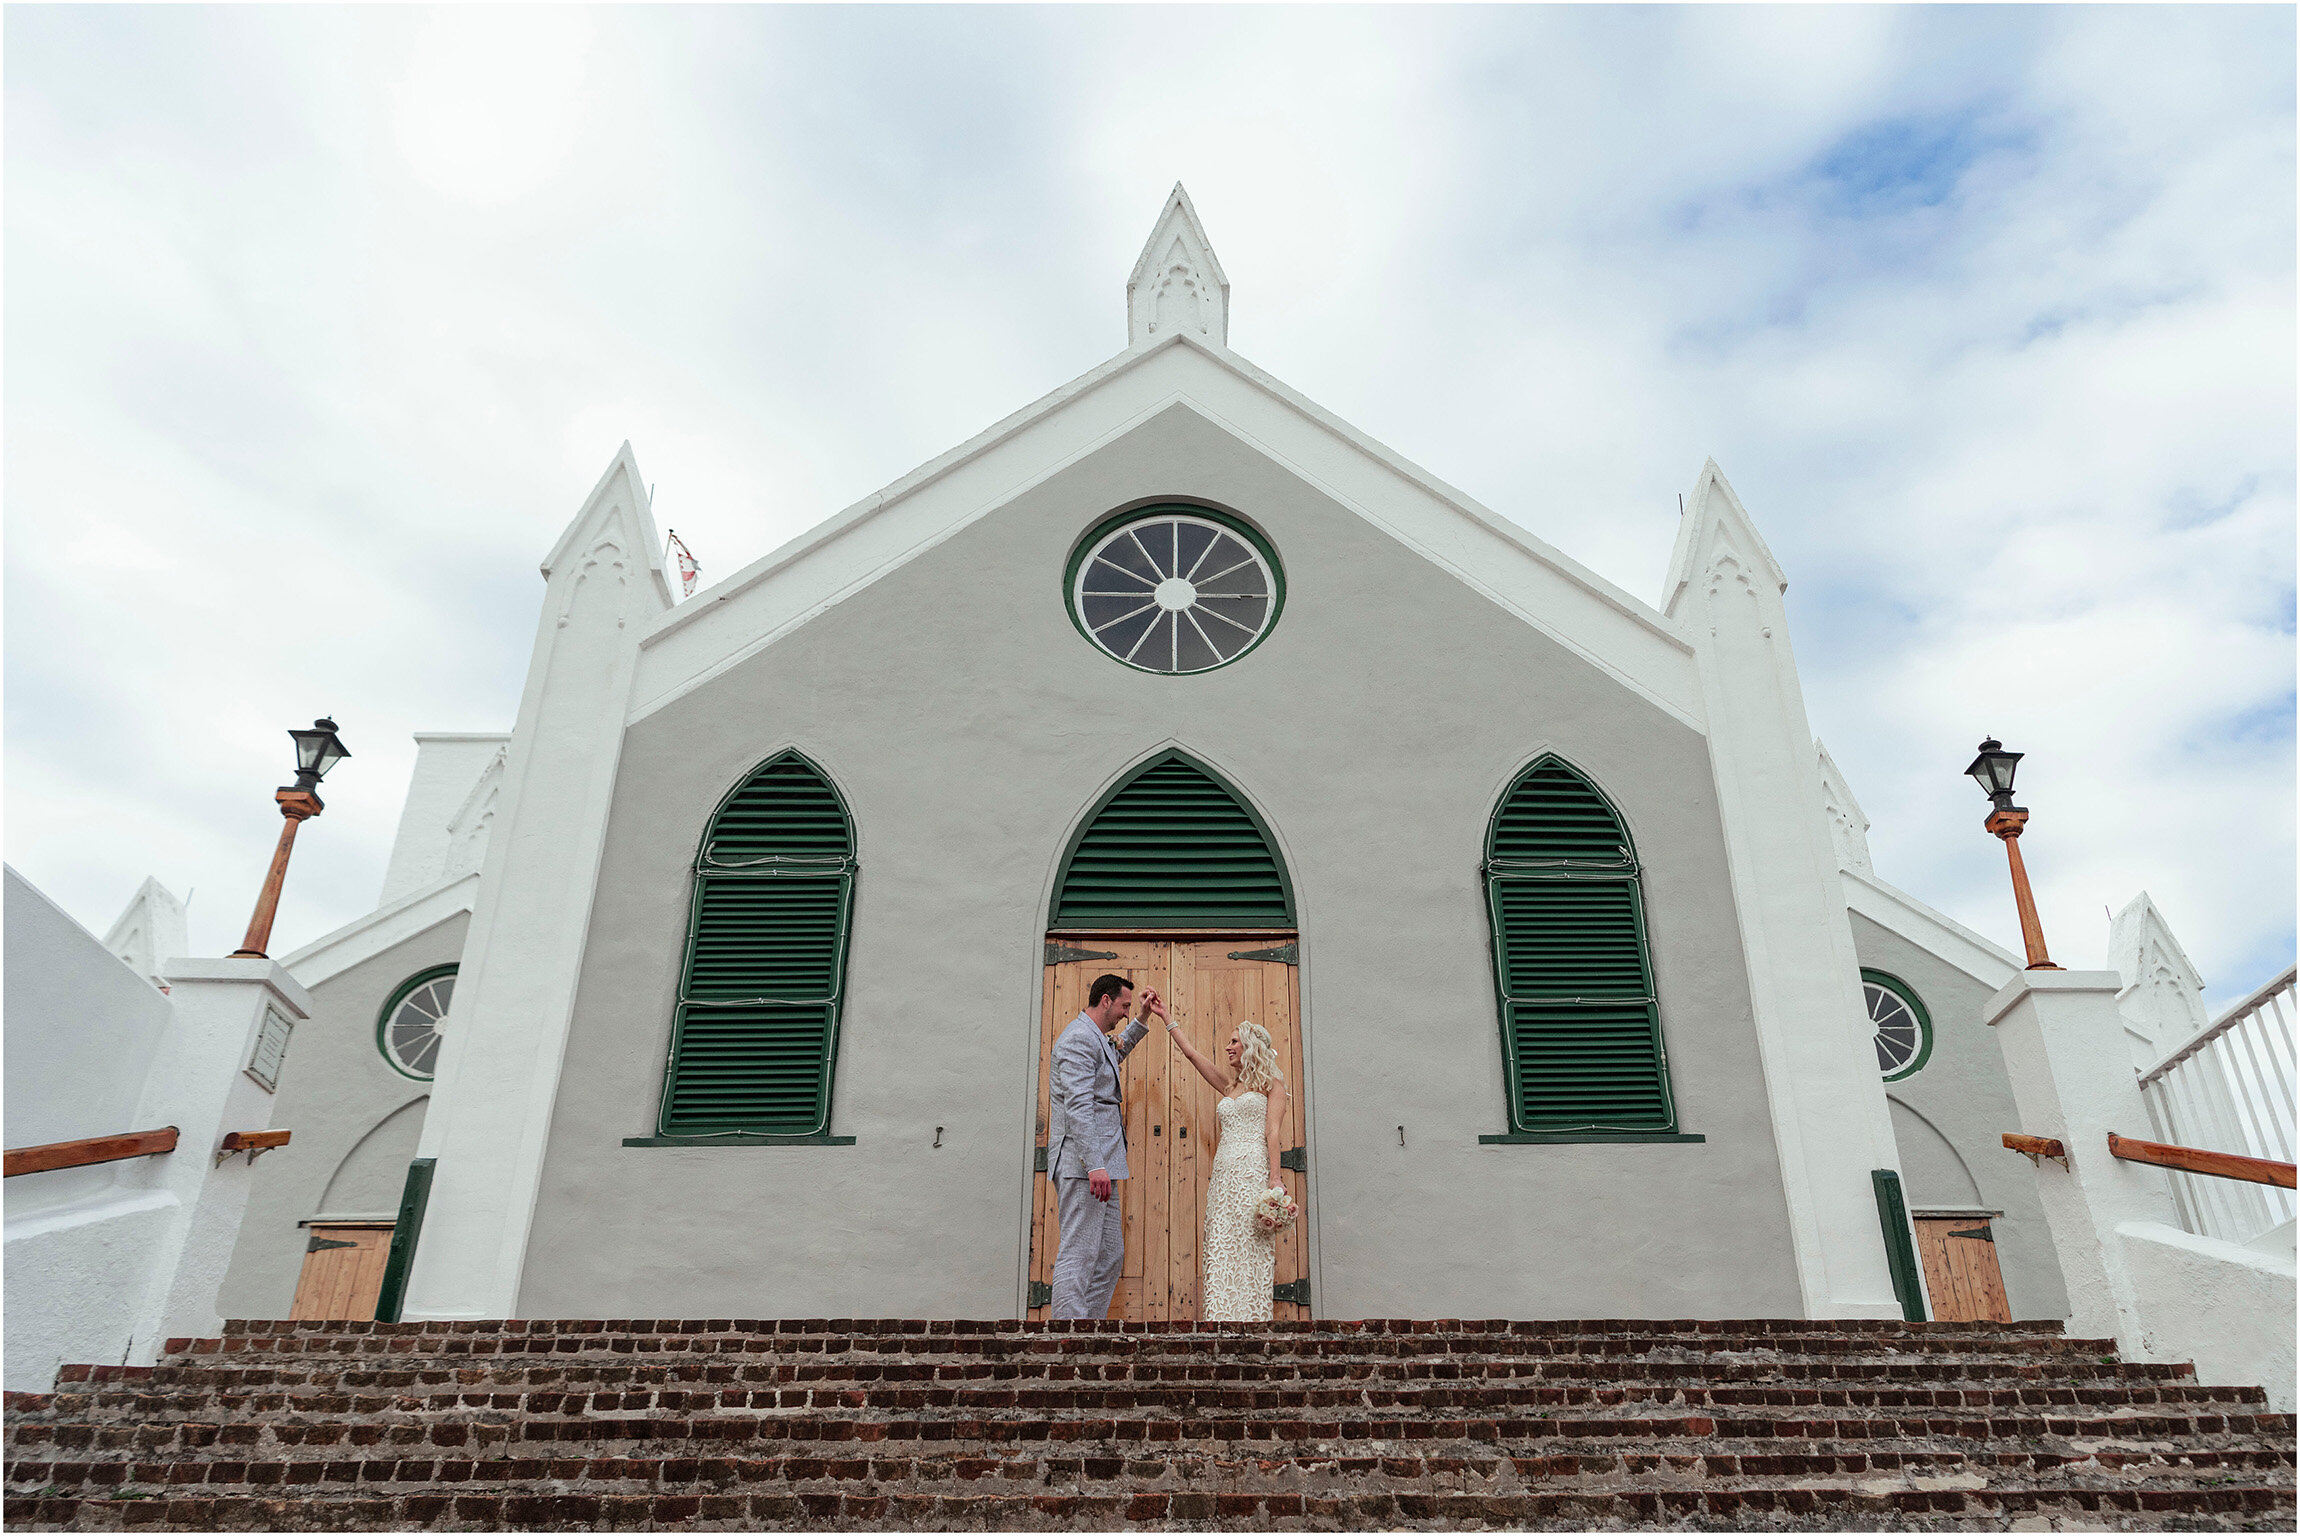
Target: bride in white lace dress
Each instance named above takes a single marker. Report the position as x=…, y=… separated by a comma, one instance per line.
x=1238, y=1258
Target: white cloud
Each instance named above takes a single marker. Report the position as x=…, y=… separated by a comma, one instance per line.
x=321, y=323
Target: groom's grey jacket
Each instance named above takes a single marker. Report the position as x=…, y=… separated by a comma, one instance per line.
x=1083, y=1129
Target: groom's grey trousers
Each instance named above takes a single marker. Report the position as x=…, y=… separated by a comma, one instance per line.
x=1093, y=1249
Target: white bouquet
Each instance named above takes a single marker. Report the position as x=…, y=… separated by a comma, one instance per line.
x=1275, y=1211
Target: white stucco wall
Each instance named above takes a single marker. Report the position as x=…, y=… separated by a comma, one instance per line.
x=80, y=1243
x=355, y=1117
x=81, y=1030
x=1950, y=1116
x=1374, y=729
x=2227, y=1307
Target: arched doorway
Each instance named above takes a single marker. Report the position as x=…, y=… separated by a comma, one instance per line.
x=1174, y=882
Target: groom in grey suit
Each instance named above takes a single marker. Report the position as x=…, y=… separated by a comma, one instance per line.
x=1086, y=1144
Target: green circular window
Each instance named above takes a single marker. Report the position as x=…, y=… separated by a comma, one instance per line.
x=409, y=1029
x=1175, y=588
x=1904, y=1030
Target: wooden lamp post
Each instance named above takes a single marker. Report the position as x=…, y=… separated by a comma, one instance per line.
x=1993, y=771
x=316, y=751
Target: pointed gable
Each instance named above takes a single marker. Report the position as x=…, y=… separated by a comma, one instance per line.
x=1177, y=287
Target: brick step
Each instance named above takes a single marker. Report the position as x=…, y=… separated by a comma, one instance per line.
x=720, y=1434
x=903, y=1424
x=922, y=1473
x=738, y=1352
x=1955, y=1372
x=167, y=1407
x=1368, y=1327
x=2229, y=1508
x=1174, y=1346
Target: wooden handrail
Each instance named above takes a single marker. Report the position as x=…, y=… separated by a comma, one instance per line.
x=94, y=1149
x=254, y=1143
x=2035, y=1146
x=2221, y=1165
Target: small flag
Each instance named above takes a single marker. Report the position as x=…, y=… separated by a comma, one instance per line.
x=688, y=569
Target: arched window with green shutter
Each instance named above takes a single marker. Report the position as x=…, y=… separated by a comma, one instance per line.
x=1172, y=846
x=1580, y=1027
x=755, y=1041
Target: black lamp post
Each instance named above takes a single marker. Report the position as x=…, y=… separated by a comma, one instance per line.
x=316, y=751
x=1993, y=771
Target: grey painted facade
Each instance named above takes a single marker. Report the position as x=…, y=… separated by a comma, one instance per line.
x=1948, y=1118
x=355, y=1119
x=969, y=727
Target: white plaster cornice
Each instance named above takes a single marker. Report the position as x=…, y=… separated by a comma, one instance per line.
x=369, y=936
x=701, y=638
x=1937, y=934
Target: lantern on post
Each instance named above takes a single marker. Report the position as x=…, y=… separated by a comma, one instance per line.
x=316, y=751
x=1993, y=771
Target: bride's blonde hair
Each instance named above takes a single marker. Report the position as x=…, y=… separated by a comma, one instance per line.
x=1257, y=1059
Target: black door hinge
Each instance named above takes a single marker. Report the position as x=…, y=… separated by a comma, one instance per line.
x=317, y=1243
x=1295, y=1291
x=1296, y=1158
x=1980, y=1232
x=1041, y=1294
x=1063, y=954
x=1284, y=954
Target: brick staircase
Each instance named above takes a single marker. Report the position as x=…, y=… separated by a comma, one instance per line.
x=577, y=1425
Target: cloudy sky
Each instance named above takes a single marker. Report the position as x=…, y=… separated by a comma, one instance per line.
x=320, y=323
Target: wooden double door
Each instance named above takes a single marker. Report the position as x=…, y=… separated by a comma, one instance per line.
x=1209, y=984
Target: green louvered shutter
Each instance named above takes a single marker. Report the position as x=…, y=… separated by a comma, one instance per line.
x=1580, y=1029
x=756, y=1036
x=1172, y=847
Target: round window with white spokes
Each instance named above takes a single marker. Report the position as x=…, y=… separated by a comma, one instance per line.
x=409, y=1031
x=1175, y=589
x=1904, y=1032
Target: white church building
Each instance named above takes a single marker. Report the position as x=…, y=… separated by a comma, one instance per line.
x=722, y=984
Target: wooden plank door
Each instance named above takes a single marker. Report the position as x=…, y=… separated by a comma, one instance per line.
x=1171, y=1130
x=1961, y=1274
x=342, y=1272
x=1216, y=991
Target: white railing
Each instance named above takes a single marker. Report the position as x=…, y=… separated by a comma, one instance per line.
x=2230, y=1090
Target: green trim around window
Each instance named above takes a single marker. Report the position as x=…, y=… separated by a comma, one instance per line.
x=383, y=1019
x=1094, y=536
x=738, y=1141
x=1575, y=1138
x=1906, y=994
x=754, y=1038
x=1172, y=845
x=1583, y=1056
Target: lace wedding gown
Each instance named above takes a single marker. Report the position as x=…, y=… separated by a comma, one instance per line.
x=1239, y=1258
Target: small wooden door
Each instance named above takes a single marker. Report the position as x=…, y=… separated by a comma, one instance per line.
x=1171, y=1129
x=1961, y=1274
x=343, y=1271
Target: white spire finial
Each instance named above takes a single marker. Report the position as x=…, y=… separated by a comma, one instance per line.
x=1178, y=286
